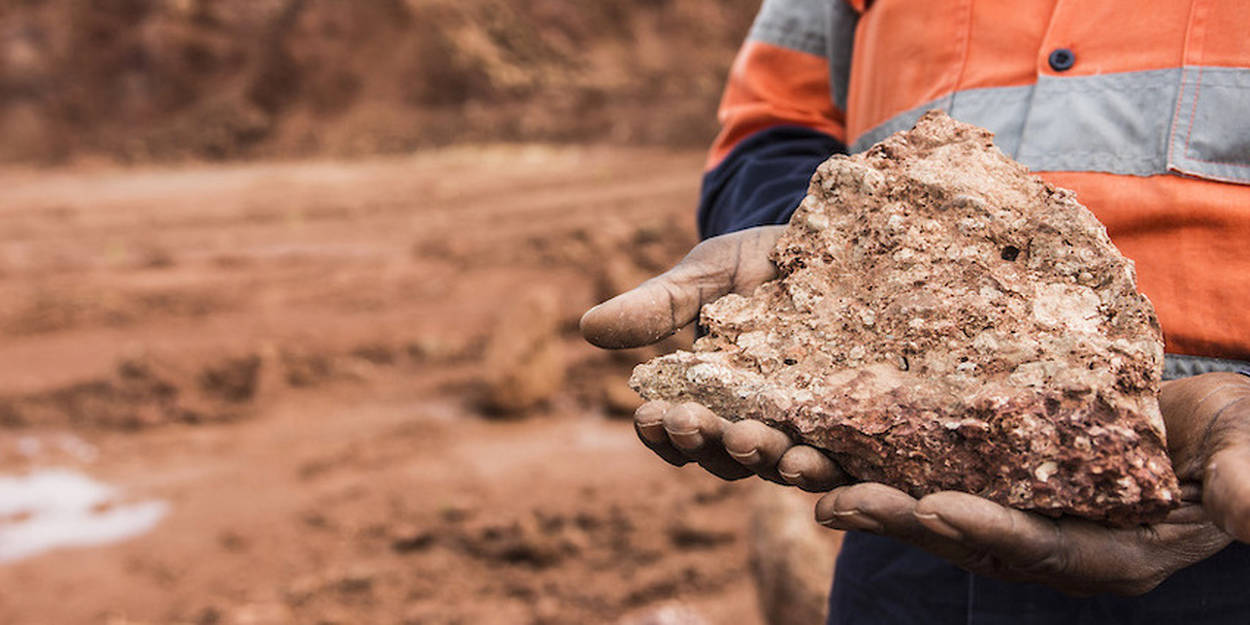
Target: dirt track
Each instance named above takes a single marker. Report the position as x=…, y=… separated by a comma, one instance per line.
x=294, y=356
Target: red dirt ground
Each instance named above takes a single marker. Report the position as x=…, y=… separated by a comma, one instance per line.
x=297, y=358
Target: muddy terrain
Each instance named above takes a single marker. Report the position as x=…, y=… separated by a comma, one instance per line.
x=337, y=378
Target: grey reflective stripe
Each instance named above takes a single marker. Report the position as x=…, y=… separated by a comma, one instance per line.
x=1116, y=123
x=796, y=24
x=821, y=27
x=840, y=43
x=1000, y=109
x=1181, y=366
x=1211, y=137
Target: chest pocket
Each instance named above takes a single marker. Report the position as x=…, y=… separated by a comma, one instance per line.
x=1210, y=134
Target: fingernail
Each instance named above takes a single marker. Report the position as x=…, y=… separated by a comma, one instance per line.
x=853, y=520
x=793, y=478
x=686, y=439
x=750, y=457
x=938, y=525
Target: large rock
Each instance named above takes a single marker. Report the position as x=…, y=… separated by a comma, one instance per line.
x=944, y=320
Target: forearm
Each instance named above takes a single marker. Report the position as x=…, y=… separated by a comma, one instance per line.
x=782, y=114
x=763, y=179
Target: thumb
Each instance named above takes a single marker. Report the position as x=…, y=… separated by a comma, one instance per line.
x=1226, y=490
x=735, y=262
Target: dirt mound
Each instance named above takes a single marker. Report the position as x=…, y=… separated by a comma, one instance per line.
x=162, y=79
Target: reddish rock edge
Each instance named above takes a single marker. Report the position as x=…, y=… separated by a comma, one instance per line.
x=946, y=321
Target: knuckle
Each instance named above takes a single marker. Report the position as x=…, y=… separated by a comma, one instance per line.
x=1054, y=563
x=680, y=419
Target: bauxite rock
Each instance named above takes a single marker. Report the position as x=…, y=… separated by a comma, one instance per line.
x=944, y=320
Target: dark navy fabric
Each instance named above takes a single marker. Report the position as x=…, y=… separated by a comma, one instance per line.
x=880, y=581
x=763, y=179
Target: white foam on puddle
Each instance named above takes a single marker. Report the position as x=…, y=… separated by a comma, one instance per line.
x=53, y=508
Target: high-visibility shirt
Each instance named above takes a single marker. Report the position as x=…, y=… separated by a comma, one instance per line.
x=1142, y=108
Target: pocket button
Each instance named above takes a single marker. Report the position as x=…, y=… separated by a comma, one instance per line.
x=1062, y=59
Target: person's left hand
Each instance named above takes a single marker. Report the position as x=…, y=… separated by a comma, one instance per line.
x=1208, y=427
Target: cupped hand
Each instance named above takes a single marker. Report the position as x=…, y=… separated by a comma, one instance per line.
x=688, y=432
x=1208, y=424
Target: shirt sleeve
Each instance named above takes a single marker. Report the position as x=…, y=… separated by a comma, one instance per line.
x=782, y=114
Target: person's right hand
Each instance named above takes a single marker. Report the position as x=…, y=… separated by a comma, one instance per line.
x=688, y=432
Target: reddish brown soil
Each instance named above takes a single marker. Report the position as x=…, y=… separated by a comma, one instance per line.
x=155, y=80
x=295, y=357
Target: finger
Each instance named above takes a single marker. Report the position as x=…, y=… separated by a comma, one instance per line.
x=664, y=304
x=1226, y=491
x=888, y=511
x=1186, y=514
x=756, y=446
x=810, y=470
x=1203, y=414
x=697, y=433
x=649, y=425
x=868, y=507
x=1073, y=555
x=1024, y=542
x=1076, y=556
x=1191, y=492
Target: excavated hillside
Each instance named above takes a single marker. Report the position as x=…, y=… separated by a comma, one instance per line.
x=154, y=80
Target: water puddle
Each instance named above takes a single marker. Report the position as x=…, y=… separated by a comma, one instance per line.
x=54, y=508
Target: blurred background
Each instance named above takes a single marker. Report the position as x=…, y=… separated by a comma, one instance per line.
x=289, y=294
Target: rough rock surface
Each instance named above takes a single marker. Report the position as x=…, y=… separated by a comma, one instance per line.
x=944, y=320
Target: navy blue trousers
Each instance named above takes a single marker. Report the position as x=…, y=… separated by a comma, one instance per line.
x=880, y=581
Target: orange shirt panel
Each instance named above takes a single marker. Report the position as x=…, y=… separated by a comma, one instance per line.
x=770, y=86
x=906, y=53
x=1116, y=36
x=1187, y=235
x=1188, y=238
x=1212, y=41
x=1002, y=47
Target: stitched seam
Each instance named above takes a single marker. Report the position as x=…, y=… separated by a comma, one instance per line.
x=1230, y=83
x=1180, y=97
x=1185, y=157
x=1059, y=87
x=1210, y=162
x=963, y=54
x=1193, y=113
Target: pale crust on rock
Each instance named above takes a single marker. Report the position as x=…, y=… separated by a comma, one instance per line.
x=945, y=320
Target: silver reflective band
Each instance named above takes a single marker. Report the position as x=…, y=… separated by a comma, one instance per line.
x=824, y=28
x=795, y=24
x=842, y=22
x=1134, y=123
x=1211, y=136
x=1180, y=366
